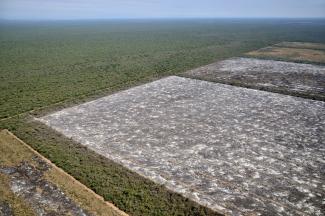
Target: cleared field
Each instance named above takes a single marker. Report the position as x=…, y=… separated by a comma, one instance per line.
x=46, y=65
x=232, y=149
x=303, y=80
x=290, y=54
x=31, y=185
x=302, y=45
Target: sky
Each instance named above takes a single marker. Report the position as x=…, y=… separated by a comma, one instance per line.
x=119, y=9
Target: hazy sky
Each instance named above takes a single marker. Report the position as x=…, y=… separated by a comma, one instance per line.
x=101, y=9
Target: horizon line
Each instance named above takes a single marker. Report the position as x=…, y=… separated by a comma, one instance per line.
x=152, y=18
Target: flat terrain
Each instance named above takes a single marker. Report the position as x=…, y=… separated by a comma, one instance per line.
x=43, y=63
x=232, y=149
x=301, y=45
x=30, y=185
x=46, y=66
x=304, y=80
x=293, y=51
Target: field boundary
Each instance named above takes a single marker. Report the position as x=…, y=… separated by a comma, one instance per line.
x=266, y=56
x=259, y=88
x=284, y=60
x=120, y=212
x=283, y=44
x=87, y=97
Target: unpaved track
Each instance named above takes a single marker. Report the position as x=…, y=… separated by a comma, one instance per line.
x=111, y=209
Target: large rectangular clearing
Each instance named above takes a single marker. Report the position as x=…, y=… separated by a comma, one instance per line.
x=296, y=79
x=235, y=150
x=292, y=51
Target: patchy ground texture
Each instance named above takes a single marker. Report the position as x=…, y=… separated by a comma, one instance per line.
x=295, y=79
x=29, y=185
x=302, y=45
x=238, y=151
x=290, y=54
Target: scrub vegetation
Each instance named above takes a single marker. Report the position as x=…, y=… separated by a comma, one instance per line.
x=43, y=63
x=50, y=65
x=127, y=190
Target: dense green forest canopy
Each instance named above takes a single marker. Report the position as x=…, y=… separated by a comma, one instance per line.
x=46, y=62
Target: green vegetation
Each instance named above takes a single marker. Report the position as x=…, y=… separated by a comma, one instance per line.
x=124, y=188
x=42, y=64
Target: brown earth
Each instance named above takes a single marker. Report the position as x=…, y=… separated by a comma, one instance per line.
x=290, y=54
x=303, y=45
x=31, y=185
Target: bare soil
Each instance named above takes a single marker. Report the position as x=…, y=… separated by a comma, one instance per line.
x=296, y=79
x=290, y=54
x=302, y=45
x=29, y=183
x=238, y=151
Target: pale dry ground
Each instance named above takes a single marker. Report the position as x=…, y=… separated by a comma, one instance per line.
x=31, y=185
x=297, y=79
x=290, y=54
x=238, y=151
x=302, y=45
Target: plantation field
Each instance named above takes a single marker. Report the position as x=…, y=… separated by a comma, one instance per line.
x=45, y=66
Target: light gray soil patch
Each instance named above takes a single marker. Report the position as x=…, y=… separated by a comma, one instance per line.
x=283, y=77
x=27, y=181
x=235, y=150
x=5, y=209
